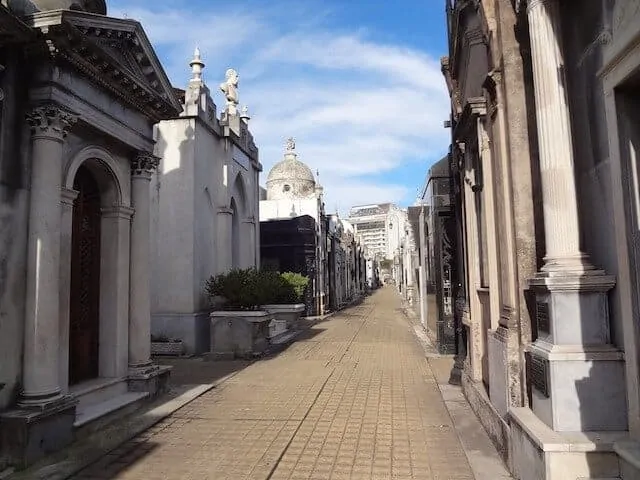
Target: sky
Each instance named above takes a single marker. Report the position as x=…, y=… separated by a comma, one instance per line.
x=357, y=83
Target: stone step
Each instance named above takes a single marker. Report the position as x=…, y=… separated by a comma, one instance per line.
x=97, y=391
x=89, y=413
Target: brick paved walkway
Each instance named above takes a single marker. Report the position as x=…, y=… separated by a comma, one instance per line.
x=355, y=399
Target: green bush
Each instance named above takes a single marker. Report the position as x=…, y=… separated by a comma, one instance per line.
x=237, y=288
x=298, y=283
x=250, y=288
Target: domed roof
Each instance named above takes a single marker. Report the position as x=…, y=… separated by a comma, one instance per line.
x=291, y=169
x=290, y=178
x=91, y=6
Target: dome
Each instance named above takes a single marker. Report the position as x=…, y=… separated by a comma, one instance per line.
x=91, y=6
x=290, y=178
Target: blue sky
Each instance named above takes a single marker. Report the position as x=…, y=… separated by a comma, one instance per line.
x=356, y=82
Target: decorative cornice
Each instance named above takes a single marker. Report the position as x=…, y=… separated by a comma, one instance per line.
x=50, y=121
x=144, y=164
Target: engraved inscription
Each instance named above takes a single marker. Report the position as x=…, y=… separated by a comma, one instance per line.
x=539, y=374
x=542, y=317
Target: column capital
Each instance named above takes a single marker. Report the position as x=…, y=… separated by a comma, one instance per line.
x=144, y=164
x=50, y=121
x=531, y=4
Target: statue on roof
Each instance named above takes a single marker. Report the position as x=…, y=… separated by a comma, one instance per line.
x=230, y=89
x=291, y=144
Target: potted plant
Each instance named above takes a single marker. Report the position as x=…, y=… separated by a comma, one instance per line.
x=286, y=295
x=163, y=345
x=239, y=327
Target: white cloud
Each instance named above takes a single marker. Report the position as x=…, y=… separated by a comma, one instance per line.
x=356, y=106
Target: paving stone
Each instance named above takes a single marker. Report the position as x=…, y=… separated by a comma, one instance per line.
x=355, y=400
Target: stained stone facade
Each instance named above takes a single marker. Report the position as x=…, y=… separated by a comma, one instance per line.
x=204, y=203
x=545, y=142
x=80, y=93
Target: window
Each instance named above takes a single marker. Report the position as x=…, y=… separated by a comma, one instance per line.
x=286, y=188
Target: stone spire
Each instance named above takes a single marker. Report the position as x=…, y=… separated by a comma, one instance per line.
x=197, y=65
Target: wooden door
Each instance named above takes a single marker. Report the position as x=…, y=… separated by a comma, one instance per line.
x=84, y=332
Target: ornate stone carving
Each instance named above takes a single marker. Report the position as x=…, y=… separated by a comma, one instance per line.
x=230, y=89
x=114, y=57
x=144, y=164
x=50, y=121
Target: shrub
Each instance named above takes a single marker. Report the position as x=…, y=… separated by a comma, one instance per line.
x=238, y=288
x=250, y=288
x=298, y=283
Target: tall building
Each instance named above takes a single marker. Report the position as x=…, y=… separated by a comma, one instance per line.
x=379, y=227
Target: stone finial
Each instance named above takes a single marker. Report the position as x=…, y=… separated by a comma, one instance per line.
x=197, y=65
x=291, y=144
x=230, y=89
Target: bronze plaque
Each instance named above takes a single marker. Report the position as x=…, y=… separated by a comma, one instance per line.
x=542, y=317
x=539, y=374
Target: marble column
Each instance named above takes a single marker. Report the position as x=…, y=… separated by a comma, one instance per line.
x=560, y=205
x=41, y=383
x=577, y=375
x=142, y=167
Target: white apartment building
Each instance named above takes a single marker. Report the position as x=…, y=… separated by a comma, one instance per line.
x=380, y=228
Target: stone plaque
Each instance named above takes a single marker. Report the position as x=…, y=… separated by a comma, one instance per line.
x=542, y=317
x=539, y=374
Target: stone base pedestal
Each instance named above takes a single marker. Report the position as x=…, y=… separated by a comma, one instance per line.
x=194, y=329
x=152, y=380
x=577, y=376
x=539, y=453
x=239, y=334
x=586, y=388
x=26, y=435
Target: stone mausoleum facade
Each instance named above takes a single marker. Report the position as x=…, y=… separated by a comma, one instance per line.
x=545, y=98
x=80, y=94
x=204, y=206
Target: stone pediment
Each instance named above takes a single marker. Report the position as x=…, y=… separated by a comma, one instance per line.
x=114, y=53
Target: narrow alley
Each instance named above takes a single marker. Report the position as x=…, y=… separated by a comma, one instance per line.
x=354, y=399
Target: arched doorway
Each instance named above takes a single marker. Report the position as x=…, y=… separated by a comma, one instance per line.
x=84, y=315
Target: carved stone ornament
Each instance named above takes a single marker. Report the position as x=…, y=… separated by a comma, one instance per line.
x=144, y=164
x=51, y=121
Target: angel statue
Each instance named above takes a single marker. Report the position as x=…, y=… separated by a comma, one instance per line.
x=230, y=89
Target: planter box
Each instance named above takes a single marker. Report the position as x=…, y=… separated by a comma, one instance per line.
x=167, y=348
x=239, y=334
x=288, y=314
x=191, y=328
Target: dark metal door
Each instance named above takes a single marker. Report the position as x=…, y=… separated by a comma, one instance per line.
x=84, y=319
